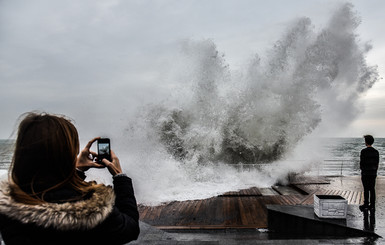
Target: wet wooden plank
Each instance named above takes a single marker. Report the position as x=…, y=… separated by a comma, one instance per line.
x=243, y=209
x=213, y=212
x=284, y=200
x=181, y=211
x=188, y=210
x=262, y=213
x=309, y=199
x=361, y=198
x=254, y=191
x=142, y=211
x=242, y=212
x=145, y=213
x=255, y=210
x=268, y=192
x=306, y=180
x=350, y=197
x=197, y=207
x=251, y=202
x=354, y=197
x=227, y=208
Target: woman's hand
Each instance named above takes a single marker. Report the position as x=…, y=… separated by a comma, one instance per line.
x=86, y=157
x=114, y=166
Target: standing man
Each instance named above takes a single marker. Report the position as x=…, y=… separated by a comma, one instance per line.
x=369, y=159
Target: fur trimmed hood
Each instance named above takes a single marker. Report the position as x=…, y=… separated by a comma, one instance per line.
x=81, y=215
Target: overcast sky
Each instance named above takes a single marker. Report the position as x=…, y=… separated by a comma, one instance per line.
x=99, y=61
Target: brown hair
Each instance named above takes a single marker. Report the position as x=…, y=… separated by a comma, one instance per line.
x=45, y=158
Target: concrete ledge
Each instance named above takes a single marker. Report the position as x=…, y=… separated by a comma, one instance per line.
x=301, y=220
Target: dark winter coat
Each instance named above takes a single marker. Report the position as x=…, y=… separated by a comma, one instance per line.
x=107, y=216
x=369, y=159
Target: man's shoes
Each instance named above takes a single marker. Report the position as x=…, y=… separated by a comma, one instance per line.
x=364, y=208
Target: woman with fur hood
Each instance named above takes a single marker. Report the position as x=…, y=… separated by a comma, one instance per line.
x=47, y=201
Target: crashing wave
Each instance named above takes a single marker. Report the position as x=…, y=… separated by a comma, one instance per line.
x=260, y=114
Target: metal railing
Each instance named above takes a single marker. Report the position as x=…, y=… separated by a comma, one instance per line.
x=332, y=167
x=335, y=167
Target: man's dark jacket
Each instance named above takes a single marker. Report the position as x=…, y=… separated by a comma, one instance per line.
x=369, y=160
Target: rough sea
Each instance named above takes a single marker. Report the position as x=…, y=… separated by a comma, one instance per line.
x=341, y=156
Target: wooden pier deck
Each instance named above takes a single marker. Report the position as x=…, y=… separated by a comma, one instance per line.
x=246, y=209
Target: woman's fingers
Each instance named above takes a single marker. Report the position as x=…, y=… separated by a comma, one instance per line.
x=85, y=160
x=114, y=166
x=89, y=144
x=98, y=165
x=92, y=155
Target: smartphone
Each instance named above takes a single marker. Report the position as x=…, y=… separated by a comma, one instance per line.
x=104, y=149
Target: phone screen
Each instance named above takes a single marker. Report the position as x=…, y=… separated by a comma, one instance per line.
x=104, y=149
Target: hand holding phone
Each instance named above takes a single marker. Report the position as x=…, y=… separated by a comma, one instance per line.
x=104, y=158
x=104, y=149
x=113, y=167
x=85, y=160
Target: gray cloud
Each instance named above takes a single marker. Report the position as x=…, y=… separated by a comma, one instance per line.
x=81, y=58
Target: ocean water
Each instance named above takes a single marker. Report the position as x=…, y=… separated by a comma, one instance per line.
x=343, y=155
x=158, y=180
x=340, y=157
x=6, y=147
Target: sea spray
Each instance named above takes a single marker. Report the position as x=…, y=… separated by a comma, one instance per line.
x=191, y=145
x=280, y=103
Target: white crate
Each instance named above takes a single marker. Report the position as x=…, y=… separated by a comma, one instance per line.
x=330, y=206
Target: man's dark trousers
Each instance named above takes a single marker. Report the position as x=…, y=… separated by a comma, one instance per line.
x=369, y=183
